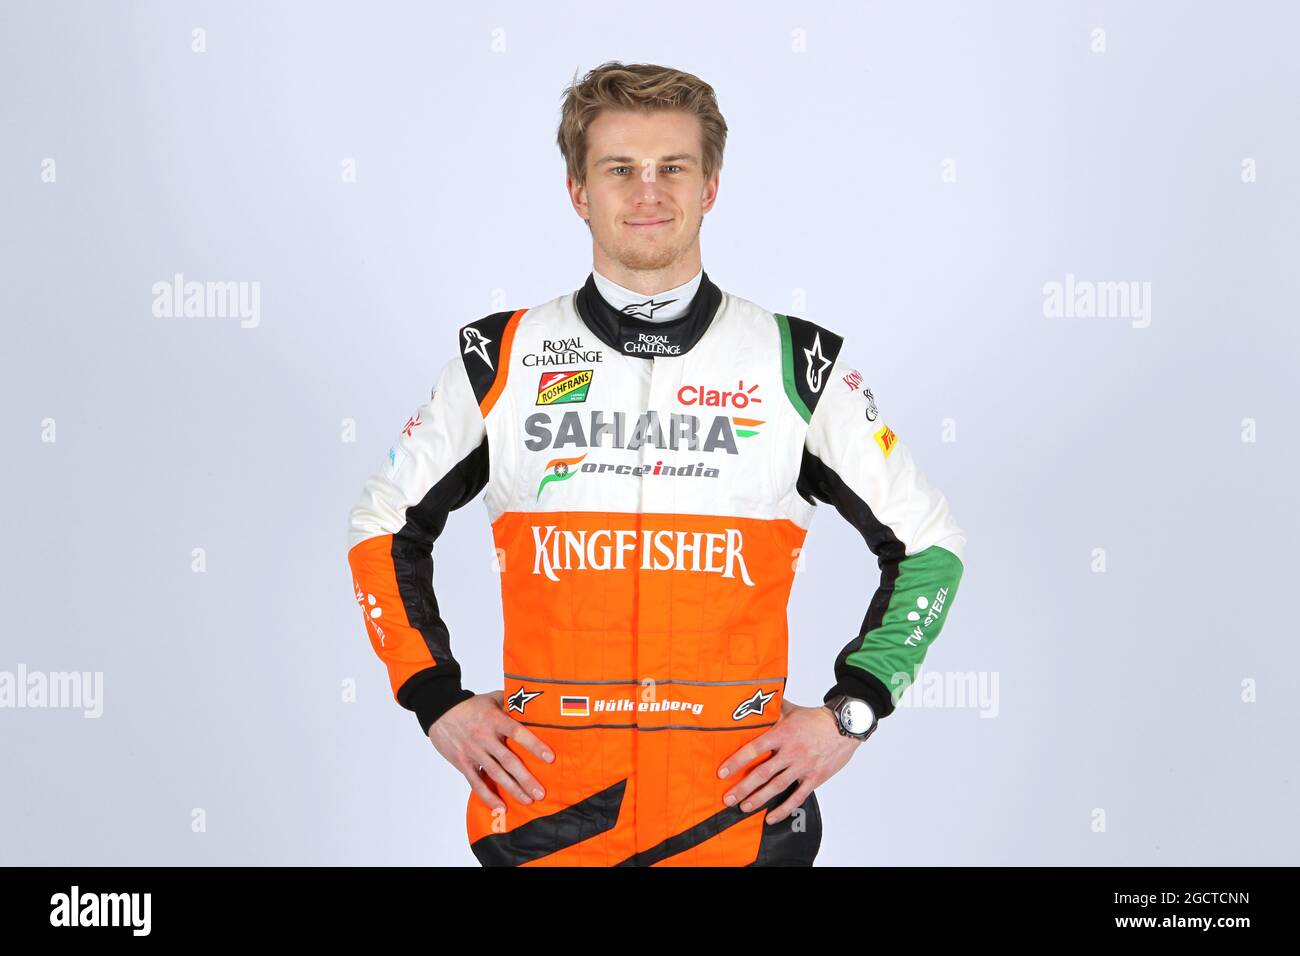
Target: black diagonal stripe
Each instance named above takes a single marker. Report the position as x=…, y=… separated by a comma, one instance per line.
x=803, y=335
x=546, y=835
x=481, y=374
x=412, y=547
x=783, y=845
x=704, y=830
x=818, y=480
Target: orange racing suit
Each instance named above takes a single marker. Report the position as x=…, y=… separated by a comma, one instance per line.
x=649, y=487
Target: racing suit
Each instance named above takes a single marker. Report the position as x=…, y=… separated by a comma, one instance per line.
x=649, y=487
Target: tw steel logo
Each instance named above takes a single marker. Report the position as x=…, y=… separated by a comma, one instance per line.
x=606, y=549
x=599, y=429
x=370, y=606
x=741, y=397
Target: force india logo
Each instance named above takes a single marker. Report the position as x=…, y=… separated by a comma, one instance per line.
x=562, y=469
x=704, y=552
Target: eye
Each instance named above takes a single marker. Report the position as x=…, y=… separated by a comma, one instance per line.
x=617, y=168
x=678, y=168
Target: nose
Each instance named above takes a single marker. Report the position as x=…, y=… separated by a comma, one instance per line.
x=648, y=190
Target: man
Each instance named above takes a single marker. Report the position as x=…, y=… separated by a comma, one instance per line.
x=652, y=450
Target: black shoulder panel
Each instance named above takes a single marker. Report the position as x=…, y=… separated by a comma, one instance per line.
x=480, y=349
x=811, y=360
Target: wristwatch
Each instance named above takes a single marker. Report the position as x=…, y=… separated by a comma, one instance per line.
x=855, y=716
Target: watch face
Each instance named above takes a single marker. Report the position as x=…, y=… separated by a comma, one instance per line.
x=856, y=716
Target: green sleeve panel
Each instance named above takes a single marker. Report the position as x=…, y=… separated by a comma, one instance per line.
x=892, y=647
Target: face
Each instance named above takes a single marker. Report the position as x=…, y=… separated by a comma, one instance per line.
x=645, y=195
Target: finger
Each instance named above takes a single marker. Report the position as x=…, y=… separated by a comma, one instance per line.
x=791, y=805
x=754, y=779
x=749, y=752
x=522, y=735
x=479, y=785
x=493, y=769
x=769, y=790
x=515, y=767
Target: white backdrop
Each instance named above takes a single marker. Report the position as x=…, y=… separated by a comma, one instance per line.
x=912, y=175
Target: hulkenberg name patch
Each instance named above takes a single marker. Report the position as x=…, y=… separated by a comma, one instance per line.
x=558, y=388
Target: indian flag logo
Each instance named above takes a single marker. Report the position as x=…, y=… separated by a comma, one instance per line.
x=559, y=388
x=559, y=469
x=746, y=427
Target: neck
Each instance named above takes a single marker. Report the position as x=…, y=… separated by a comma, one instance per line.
x=648, y=281
x=641, y=337
x=662, y=306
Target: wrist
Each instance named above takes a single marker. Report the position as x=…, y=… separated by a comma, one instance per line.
x=864, y=686
x=433, y=697
x=853, y=716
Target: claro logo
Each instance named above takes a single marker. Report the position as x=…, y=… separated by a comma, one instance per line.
x=706, y=552
x=741, y=397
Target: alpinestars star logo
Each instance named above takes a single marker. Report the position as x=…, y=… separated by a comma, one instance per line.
x=477, y=343
x=520, y=698
x=817, y=363
x=754, y=705
x=646, y=309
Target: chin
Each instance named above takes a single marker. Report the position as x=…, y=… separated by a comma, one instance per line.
x=641, y=262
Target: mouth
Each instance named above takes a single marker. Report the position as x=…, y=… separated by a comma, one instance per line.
x=647, y=223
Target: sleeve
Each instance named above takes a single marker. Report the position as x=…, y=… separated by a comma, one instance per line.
x=438, y=463
x=853, y=460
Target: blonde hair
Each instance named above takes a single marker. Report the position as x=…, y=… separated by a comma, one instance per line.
x=641, y=87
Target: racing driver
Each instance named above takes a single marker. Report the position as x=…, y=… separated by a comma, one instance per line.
x=651, y=451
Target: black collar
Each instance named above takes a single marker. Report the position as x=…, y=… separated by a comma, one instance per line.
x=640, y=337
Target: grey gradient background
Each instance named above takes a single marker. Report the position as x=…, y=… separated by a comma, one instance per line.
x=1119, y=691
